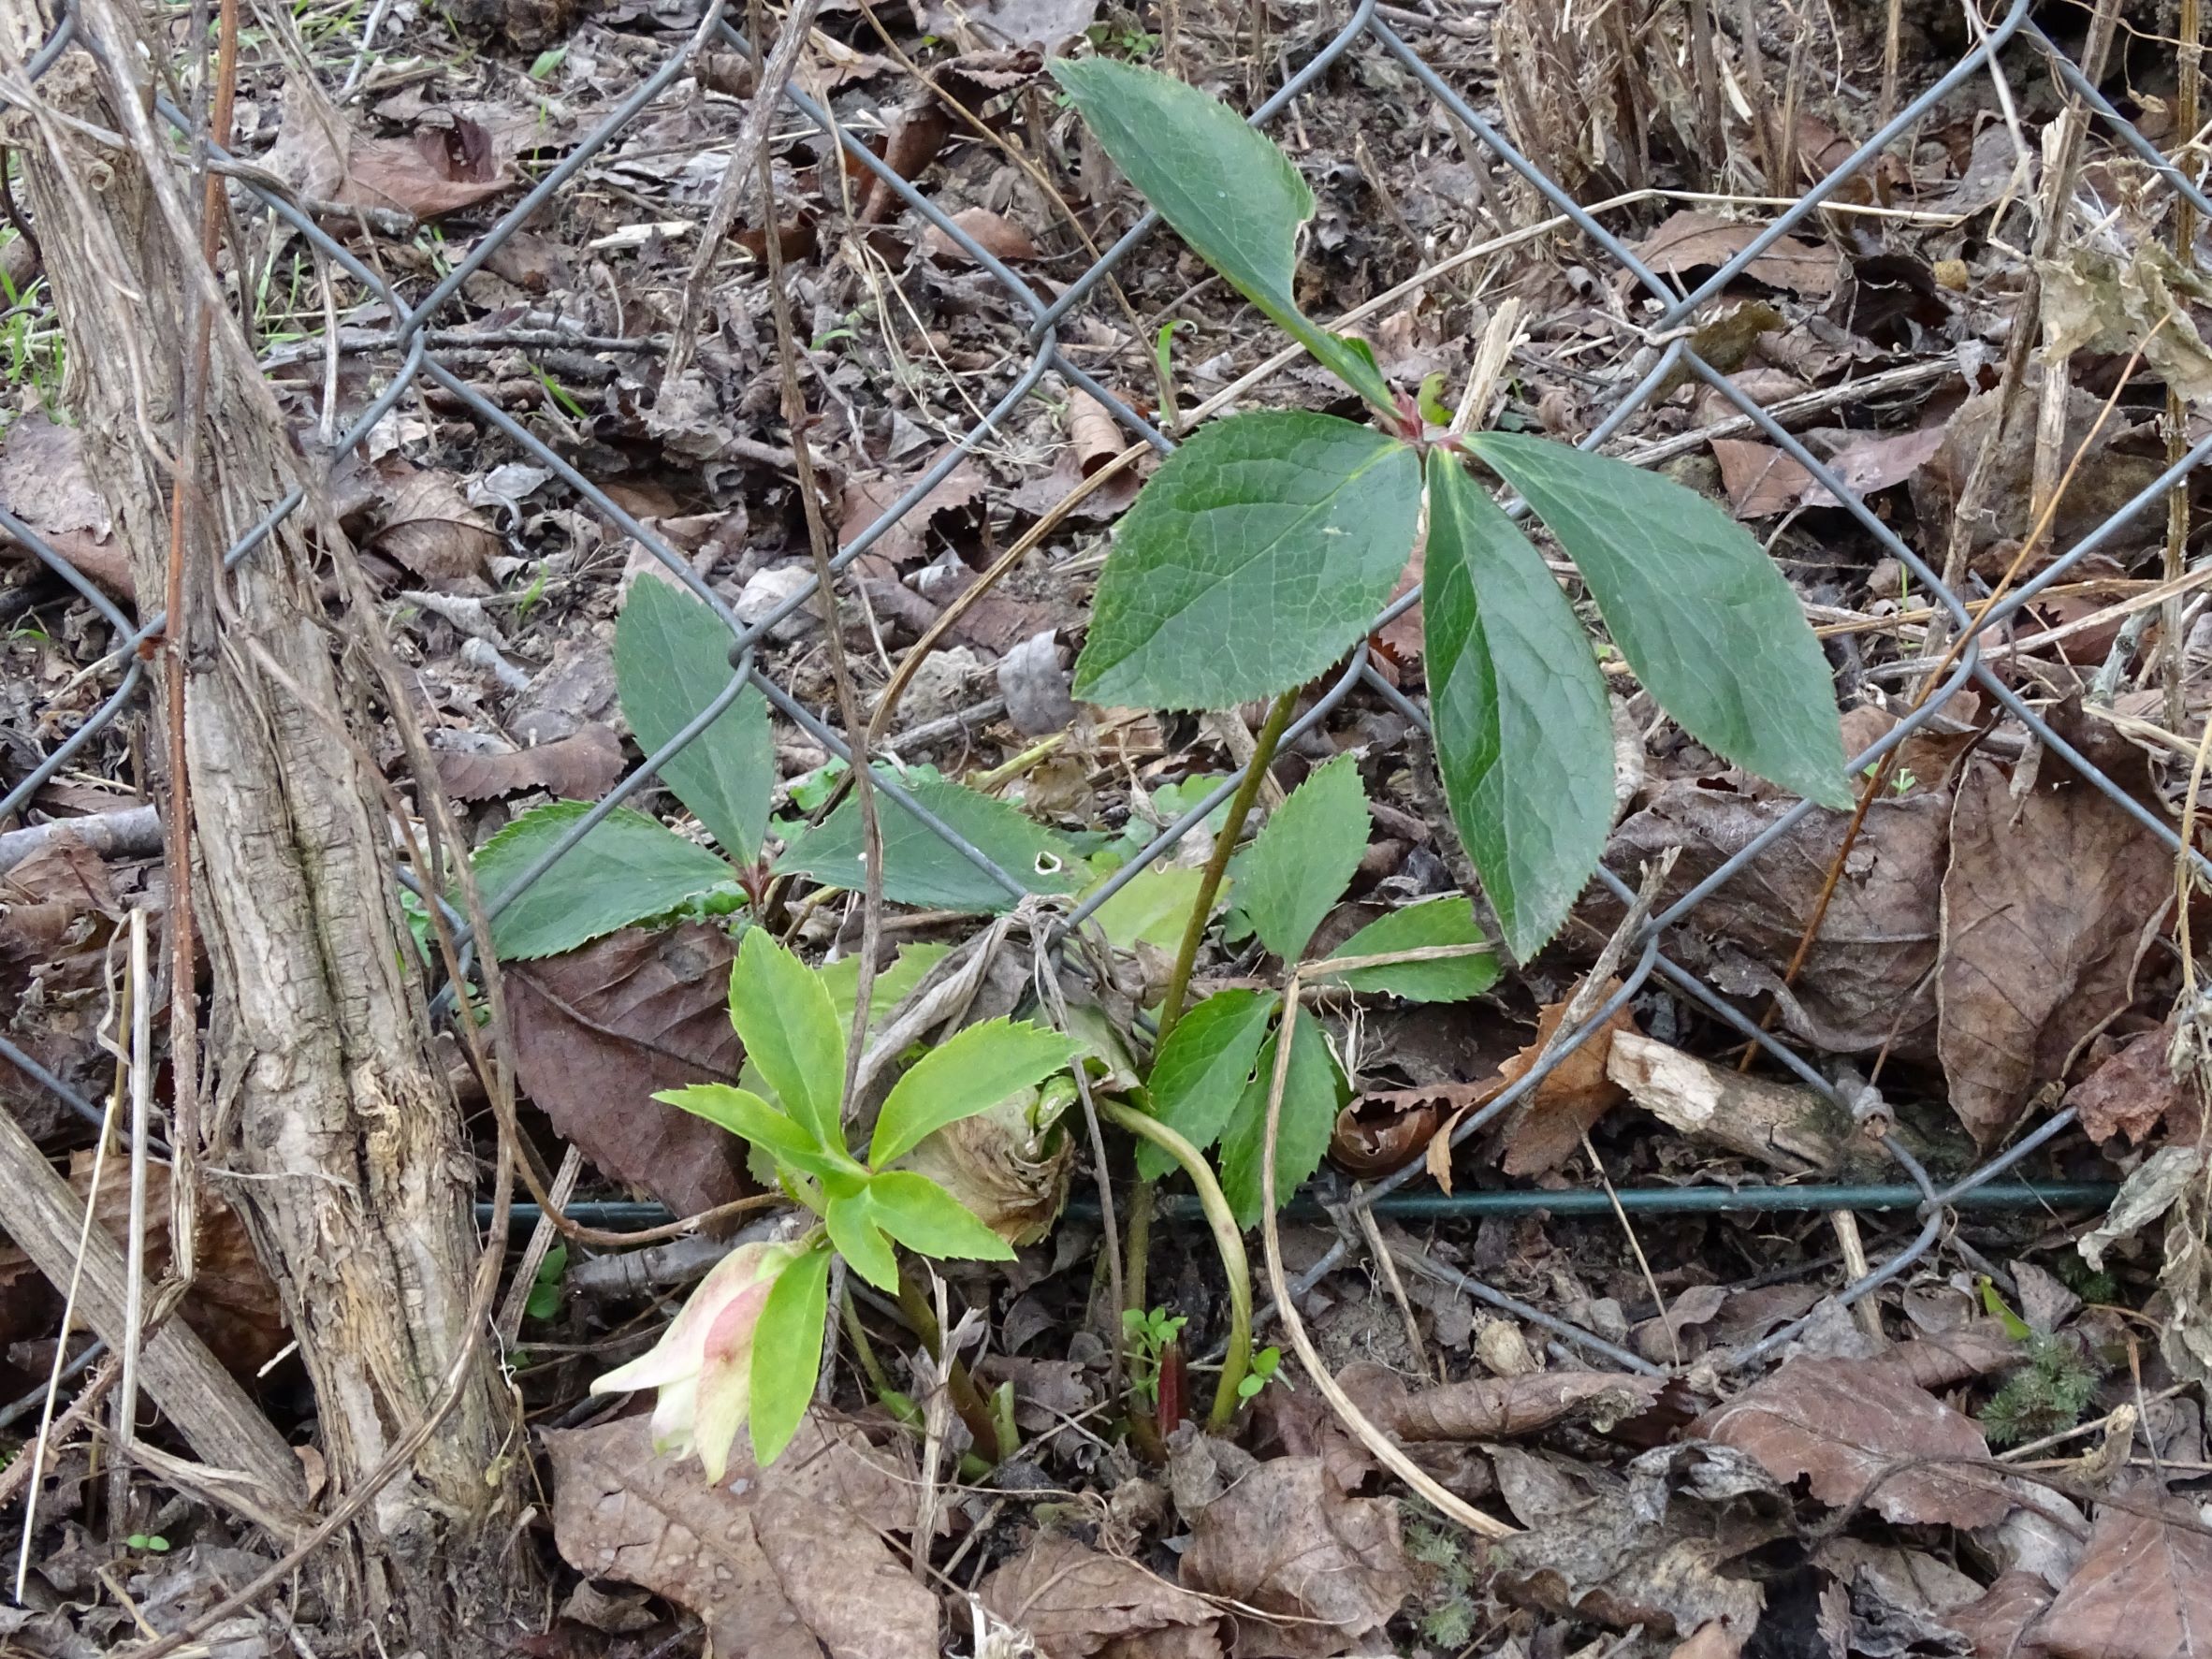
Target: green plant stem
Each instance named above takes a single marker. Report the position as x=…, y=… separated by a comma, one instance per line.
x=899, y=1405
x=1227, y=1239
x=968, y=1400
x=1240, y=807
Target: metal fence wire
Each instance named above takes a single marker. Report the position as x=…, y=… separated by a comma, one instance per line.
x=407, y=346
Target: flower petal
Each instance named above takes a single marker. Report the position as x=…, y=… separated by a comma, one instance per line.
x=682, y=1347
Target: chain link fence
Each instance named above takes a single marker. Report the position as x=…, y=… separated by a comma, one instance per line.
x=414, y=362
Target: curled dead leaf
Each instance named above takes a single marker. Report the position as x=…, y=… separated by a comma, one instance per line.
x=1009, y=1170
x=1384, y=1129
x=1693, y=241
x=995, y=234
x=579, y=768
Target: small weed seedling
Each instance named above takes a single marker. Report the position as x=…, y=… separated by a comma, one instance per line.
x=1149, y=1334
x=748, y=1347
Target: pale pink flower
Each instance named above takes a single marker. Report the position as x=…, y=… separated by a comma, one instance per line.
x=703, y=1364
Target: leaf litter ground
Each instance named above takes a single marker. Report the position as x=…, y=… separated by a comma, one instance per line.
x=2002, y=938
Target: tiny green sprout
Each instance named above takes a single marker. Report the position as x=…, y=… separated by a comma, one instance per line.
x=1149, y=1334
x=544, y=1301
x=548, y=61
x=1265, y=1364
x=152, y=1543
x=558, y=393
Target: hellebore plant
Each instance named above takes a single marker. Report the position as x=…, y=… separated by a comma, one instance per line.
x=703, y=1364
x=748, y=1347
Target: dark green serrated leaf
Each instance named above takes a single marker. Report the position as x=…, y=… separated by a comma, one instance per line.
x=1707, y=621
x=972, y=1073
x=1257, y=555
x=1225, y=189
x=1299, y=865
x=1311, y=1097
x=1525, y=740
x=786, y=1352
x=919, y=866
x=628, y=868
x=1201, y=1069
x=671, y=660
x=783, y=1015
x=1449, y=921
x=930, y=1221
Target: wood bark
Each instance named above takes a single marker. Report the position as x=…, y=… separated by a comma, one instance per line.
x=330, y=1128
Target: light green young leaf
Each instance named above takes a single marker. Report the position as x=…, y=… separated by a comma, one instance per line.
x=786, y=1352
x=842, y=978
x=930, y=1221
x=751, y=1118
x=1707, y=621
x=1224, y=188
x=1311, y=1097
x=790, y=1035
x=1301, y=860
x=1152, y=906
x=1525, y=740
x=852, y=1225
x=1449, y=921
x=1257, y=555
x=978, y=1067
x=672, y=659
x=1201, y=1069
x=629, y=867
x=919, y=867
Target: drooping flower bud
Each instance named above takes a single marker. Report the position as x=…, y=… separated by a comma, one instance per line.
x=703, y=1364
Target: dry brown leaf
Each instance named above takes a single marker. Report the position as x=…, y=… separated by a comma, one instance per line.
x=1692, y=240
x=1496, y=1408
x=233, y=1303
x=1714, y=1640
x=321, y=153
x=1845, y=1422
x=1863, y=985
x=581, y=767
x=1013, y=22
x=1549, y=1125
x=1380, y=1131
x=1999, y=1622
x=2136, y=1091
x=1075, y=1601
x=995, y=234
x=1760, y=479
x=2143, y=1590
x=1876, y=463
x=864, y=502
x=43, y=482
x=783, y=1562
x=1285, y=1541
x=1652, y=1554
x=426, y=524
x=1097, y=435
x=598, y=1030
x=1011, y=1177
x=2045, y=907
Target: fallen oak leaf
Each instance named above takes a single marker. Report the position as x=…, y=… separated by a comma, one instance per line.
x=2143, y=1590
